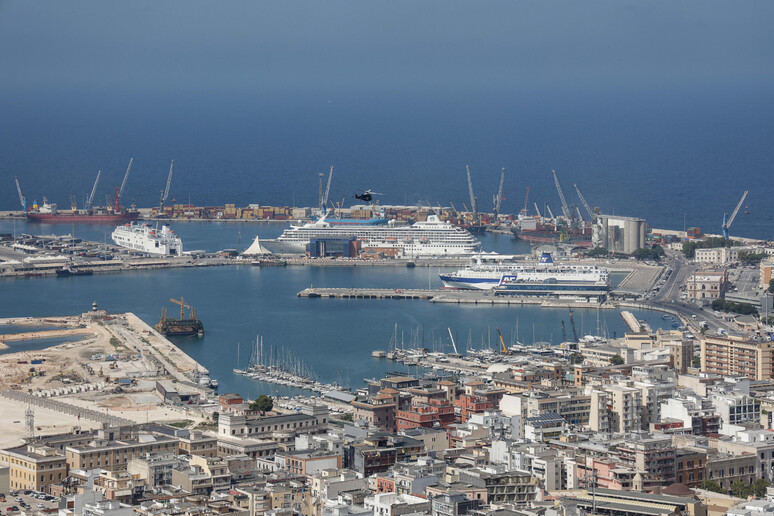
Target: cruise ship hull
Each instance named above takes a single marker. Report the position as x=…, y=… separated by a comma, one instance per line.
x=431, y=238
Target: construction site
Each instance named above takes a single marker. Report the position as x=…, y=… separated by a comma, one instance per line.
x=110, y=368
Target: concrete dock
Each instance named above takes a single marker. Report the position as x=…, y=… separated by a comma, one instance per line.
x=368, y=293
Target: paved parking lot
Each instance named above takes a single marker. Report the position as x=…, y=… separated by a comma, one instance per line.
x=32, y=504
x=745, y=280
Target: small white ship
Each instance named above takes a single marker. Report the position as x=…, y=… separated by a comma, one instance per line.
x=147, y=239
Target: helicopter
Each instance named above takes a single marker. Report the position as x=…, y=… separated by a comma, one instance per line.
x=366, y=195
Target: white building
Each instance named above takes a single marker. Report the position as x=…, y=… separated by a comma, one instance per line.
x=393, y=504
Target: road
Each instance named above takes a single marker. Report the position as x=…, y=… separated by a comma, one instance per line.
x=668, y=298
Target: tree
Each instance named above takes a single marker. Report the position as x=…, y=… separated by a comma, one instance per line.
x=771, y=286
x=709, y=485
x=740, y=489
x=758, y=488
x=616, y=360
x=576, y=358
x=689, y=249
x=597, y=252
x=215, y=416
x=263, y=404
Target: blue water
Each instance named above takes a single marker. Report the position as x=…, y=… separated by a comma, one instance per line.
x=673, y=157
x=36, y=344
x=333, y=336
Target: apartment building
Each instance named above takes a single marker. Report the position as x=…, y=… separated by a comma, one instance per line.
x=737, y=356
x=654, y=455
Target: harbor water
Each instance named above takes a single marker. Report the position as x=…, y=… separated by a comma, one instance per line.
x=334, y=336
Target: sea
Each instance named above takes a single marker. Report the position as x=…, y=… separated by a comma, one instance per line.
x=334, y=337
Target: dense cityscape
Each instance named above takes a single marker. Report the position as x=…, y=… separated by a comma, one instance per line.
x=386, y=259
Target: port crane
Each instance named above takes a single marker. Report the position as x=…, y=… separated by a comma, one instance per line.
x=498, y=198
x=526, y=198
x=165, y=193
x=473, y=200
x=73, y=203
x=565, y=207
x=537, y=210
x=550, y=213
x=22, y=200
x=120, y=191
x=93, y=191
x=585, y=204
x=324, y=194
x=727, y=223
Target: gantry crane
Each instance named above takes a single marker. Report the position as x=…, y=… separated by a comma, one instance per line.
x=165, y=193
x=22, y=200
x=498, y=198
x=727, y=224
x=93, y=191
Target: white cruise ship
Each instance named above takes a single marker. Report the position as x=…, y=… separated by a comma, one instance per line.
x=430, y=238
x=147, y=239
x=532, y=278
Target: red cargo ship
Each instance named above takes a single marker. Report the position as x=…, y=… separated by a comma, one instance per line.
x=533, y=230
x=48, y=214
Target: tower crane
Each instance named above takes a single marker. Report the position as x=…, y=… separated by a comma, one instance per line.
x=165, y=193
x=526, y=198
x=585, y=204
x=498, y=199
x=473, y=200
x=727, y=224
x=120, y=191
x=565, y=208
x=324, y=194
x=93, y=191
x=183, y=306
x=22, y=200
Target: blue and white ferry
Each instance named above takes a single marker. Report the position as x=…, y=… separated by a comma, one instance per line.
x=541, y=278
